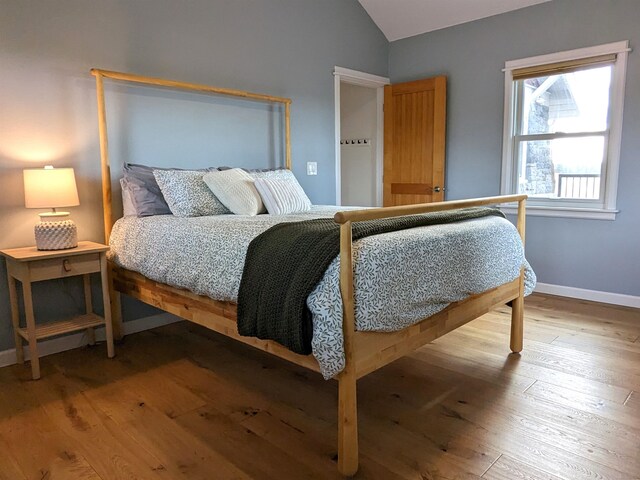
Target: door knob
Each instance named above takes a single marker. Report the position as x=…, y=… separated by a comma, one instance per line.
x=437, y=189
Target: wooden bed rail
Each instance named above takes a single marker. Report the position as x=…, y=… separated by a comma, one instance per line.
x=401, y=210
x=196, y=87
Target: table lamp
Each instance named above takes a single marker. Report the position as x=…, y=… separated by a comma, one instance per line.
x=50, y=187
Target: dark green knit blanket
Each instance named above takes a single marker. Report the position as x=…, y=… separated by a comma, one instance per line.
x=285, y=263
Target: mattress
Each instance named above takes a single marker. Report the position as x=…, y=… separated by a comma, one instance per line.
x=400, y=278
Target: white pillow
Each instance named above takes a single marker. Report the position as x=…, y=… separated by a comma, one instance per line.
x=235, y=189
x=282, y=196
x=278, y=173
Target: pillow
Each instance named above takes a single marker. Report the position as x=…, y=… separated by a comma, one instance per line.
x=282, y=173
x=145, y=194
x=186, y=193
x=128, y=208
x=235, y=189
x=282, y=195
x=255, y=170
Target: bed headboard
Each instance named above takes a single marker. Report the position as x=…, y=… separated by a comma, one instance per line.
x=160, y=82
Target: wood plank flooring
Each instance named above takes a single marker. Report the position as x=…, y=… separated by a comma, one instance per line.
x=181, y=402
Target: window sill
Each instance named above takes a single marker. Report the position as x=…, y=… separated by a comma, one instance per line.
x=565, y=212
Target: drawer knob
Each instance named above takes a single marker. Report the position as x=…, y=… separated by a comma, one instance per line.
x=66, y=265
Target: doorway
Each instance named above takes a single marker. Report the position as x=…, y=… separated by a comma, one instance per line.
x=359, y=101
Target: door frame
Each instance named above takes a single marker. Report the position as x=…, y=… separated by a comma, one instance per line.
x=362, y=79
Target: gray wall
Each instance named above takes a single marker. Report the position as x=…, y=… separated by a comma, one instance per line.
x=47, y=97
x=591, y=254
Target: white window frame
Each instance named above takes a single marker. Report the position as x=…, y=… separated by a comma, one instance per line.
x=545, y=207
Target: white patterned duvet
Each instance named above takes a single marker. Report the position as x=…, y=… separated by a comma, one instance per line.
x=399, y=278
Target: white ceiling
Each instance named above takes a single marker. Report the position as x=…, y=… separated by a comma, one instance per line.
x=404, y=18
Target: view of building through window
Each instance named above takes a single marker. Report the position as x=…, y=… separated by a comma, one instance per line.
x=562, y=133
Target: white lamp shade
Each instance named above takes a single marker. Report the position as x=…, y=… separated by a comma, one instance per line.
x=50, y=188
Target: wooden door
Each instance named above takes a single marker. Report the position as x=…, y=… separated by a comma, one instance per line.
x=414, y=141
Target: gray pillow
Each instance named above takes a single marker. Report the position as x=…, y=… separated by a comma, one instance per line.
x=186, y=193
x=128, y=209
x=146, y=196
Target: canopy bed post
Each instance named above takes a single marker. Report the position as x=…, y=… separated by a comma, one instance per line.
x=347, y=399
x=114, y=296
x=517, y=307
x=287, y=134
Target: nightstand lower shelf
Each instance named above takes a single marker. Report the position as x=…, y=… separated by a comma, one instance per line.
x=81, y=322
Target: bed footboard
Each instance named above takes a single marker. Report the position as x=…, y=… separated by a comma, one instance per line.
x=365, y=352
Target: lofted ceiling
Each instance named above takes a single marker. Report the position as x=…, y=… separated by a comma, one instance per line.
x=405, y=18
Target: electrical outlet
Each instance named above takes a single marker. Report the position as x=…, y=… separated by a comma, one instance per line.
x=312, y=168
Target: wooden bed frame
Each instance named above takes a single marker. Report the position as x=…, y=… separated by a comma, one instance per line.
x=365, y=351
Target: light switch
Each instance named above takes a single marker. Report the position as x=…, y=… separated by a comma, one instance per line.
x=312, y=168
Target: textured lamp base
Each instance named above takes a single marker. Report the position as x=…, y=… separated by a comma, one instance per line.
x=56, y=235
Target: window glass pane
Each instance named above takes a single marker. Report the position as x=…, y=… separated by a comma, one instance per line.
x=569, y=102
x=561, y=168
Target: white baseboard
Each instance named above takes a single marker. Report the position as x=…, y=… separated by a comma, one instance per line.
x=593, y=295
x=76, y=340
x=69, y=342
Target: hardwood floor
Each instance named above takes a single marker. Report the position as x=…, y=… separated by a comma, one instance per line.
x=180, y=402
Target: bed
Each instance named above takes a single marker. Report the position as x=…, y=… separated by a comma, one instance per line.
x=362, y=350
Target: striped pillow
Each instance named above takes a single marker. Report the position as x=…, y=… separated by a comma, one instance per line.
x=282, y=196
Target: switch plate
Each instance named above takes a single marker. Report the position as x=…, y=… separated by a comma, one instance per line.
x=312, y=168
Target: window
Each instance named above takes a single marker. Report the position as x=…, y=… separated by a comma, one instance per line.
x=563, y=119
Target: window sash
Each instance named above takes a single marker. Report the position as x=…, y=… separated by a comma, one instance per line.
x=560, y=201
x=553, y=136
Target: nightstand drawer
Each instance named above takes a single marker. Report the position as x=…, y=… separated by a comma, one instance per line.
x=64, y=267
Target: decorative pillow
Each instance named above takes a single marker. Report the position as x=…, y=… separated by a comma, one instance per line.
x=235, y=189
x=128, y=209
x=186, y=193
x=255, y=170
x=282, y=196
x=281, y=173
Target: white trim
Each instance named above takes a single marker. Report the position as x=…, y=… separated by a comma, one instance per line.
x=506, y=182
x=77, y=340
x=353, y=77
x=565, y=212
x=360, y=78
x=606, y=209
x=338, y=166
x=592, y=295
x=615, y=128
x=578, y=53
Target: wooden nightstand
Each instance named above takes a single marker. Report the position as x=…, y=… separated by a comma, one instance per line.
x=30, y=265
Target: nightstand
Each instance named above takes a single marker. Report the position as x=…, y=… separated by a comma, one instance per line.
x=30, y=265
